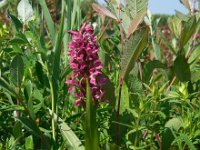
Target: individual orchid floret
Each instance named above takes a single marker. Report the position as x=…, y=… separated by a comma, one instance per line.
x=85, y=63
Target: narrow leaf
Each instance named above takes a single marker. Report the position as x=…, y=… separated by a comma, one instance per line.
x=187, y=140
x=49, y=21
x=57, y=57
x=30, y=125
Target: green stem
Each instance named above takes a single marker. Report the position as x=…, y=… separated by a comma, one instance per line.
x=53, y=110
x=91, y=130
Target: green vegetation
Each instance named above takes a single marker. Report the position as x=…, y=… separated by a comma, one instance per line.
x=151, y=64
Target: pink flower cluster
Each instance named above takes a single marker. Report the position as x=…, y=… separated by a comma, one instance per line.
x=85, y=64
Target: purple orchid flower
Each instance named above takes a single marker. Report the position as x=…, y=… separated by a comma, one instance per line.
x=85, y=63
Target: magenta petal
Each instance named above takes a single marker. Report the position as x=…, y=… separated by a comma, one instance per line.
x=85, y=63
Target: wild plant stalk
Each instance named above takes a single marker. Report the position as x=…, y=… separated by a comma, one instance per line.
x=120, y=80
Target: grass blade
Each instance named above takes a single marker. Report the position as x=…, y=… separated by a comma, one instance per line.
x=49, y=20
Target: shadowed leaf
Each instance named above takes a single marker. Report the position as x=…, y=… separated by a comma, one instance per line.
x=17, y=70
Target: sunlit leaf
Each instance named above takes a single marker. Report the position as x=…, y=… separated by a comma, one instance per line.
x=186, y=3
x=188, y=141
x=133, y=49
x=174, y=123
x=188, y=30
x=25, y=11
x=135, y=23
x=29, y=143
x=103, y=11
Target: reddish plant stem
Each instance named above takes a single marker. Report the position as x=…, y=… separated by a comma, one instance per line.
x=158, y=139
x=121, y=80
x=140, y=69
x=170, y=85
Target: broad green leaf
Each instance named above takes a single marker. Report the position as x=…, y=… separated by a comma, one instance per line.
x=49, y=21
x=29, y=143
x=167, y=138
x=17, y=70
x=133, y=7
x=42, y=77
x=18, y=25
x=124, y=103
x=133, y=48
x=188, y=30
x=25, y=11
x=182, y=68
x=17, y=130
x=91, y=132
x=156, y=49
x=174, y=123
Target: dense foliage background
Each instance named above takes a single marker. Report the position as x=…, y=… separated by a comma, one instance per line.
x=151, y=63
